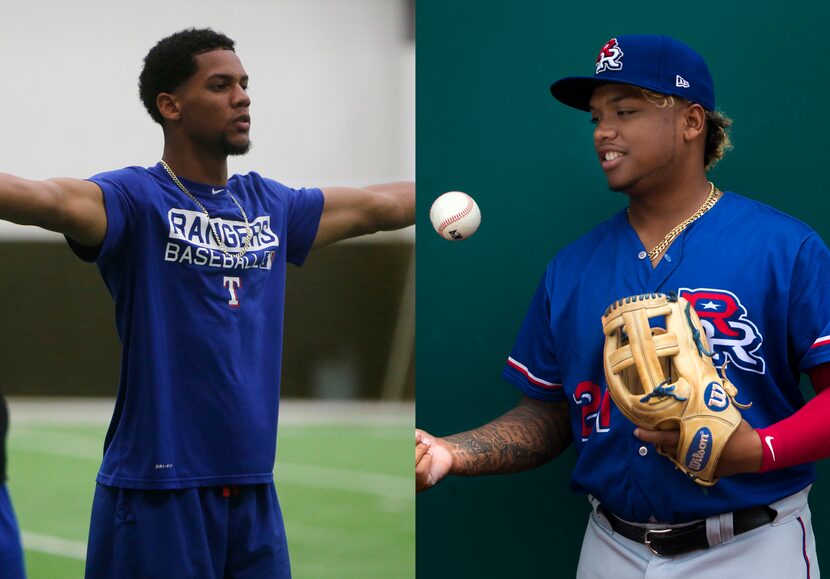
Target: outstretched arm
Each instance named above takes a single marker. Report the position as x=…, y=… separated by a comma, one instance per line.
x=70, y=206
x=349, y=212
x=527, y=436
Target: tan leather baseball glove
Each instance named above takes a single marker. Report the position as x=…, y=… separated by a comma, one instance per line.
x=660, y=375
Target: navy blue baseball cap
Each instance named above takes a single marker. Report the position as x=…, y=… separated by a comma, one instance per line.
x=657, y=63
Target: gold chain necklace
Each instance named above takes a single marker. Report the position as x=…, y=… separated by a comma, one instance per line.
x=248, y=230
x=711, y=199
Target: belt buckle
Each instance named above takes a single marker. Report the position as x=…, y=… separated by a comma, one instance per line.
x=647, y=538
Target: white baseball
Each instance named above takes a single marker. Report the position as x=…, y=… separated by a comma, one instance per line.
x=455, y=215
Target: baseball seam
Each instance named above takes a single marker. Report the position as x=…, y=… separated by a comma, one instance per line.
x=453, y=218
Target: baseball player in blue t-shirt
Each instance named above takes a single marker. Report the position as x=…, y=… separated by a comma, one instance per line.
x=656, y=132
x=195, y=261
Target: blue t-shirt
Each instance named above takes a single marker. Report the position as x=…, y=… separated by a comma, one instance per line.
x=201, y=331
x=758, y=280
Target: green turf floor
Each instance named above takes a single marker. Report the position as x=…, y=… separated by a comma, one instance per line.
x=346, y=492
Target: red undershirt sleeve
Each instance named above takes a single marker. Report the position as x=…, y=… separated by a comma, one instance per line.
x=804, y=436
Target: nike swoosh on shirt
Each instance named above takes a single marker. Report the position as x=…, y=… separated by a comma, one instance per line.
x=768, y=440
x=216, y=191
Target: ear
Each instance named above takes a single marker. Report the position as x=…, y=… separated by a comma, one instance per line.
x=694, y=119
x=168, y=106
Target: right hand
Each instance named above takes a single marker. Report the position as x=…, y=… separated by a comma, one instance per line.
x=433, y=460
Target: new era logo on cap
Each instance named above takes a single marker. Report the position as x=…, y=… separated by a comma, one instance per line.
x=657, y=63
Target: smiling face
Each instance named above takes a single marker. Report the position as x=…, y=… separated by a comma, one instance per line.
x=639, y=144
x=212, y=106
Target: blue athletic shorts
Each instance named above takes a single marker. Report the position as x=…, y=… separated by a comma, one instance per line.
x=201, y=533
x=11, y=551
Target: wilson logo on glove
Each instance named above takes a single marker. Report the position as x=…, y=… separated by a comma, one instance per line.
x=699, y=450
x=660, y=374
x=716, y=397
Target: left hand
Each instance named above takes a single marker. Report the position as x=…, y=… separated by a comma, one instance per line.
x=743, y=452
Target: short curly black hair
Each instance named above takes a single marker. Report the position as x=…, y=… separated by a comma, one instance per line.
x=172, y=61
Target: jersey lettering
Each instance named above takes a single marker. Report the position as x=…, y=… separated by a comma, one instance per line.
x=731, y=334
x=194, y=228
x=596, y=408
x=179, y=253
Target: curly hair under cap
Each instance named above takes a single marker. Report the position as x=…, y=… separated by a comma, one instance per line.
x=717, y=128
x=717, y=138
x=172, y=61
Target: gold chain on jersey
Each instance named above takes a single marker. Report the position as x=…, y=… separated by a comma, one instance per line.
x=248, y=230
x=711, y=199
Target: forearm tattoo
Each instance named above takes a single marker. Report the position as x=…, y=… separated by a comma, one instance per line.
x=526, y=437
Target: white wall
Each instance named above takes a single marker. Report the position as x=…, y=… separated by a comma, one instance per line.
x=332, y=85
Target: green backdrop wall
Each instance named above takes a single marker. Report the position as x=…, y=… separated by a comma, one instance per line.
x=487, y=125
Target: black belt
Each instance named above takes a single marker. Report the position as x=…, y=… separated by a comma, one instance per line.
x=677, y=540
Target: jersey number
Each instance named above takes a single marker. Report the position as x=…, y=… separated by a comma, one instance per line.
x=596, y=408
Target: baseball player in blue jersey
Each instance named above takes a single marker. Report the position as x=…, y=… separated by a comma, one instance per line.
x=656, y=132
x=195, y=261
